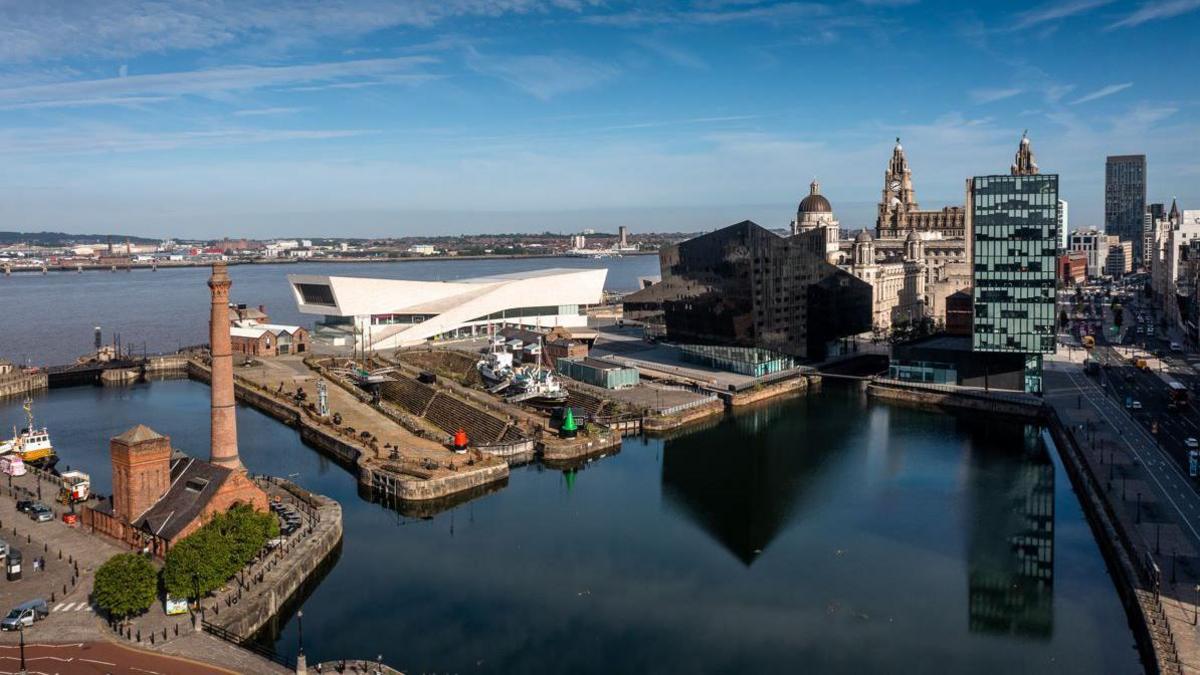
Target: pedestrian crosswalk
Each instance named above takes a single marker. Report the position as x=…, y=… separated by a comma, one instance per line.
x=72, y=607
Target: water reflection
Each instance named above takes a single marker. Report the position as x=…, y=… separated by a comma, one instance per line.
x=742, y=481
x=1011, y=550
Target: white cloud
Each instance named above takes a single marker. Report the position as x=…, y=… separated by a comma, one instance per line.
x=543, y=76
x=259, y=112
x=991, y=95
x=1055, y=11
x=1154, y=11
x=1102, y=92
x=120, y=28
x=107, y=139
x=215, y=81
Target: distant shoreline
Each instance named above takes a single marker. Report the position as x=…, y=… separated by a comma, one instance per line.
x=294, y=261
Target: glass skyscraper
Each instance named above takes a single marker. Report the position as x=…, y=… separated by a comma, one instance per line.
x=1014, y=226
x=1125, y=200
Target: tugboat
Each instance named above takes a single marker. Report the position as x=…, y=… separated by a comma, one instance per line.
x=496, y=367
x=537, y=386
x=31, y=444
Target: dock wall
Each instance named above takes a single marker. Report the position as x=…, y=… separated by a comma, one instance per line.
x=956, y=401
x=287, y=573
x=20, y=384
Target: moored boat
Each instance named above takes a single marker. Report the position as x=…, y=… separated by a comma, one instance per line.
x=32, y=444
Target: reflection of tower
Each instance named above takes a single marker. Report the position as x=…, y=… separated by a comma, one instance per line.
x=224, y=450
x=1011, y=554
x=746, y=504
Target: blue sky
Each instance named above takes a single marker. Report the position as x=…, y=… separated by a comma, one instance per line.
x=373, y=118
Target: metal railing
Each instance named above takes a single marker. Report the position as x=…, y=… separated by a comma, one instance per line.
x=248, y=644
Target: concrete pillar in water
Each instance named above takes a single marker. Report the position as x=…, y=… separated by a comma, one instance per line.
x=224, y=450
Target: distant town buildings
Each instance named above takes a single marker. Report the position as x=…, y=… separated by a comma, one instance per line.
x=1095, y=245
x=899, y=212
x=1125, y=199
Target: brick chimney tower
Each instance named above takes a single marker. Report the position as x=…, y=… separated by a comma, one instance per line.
x=224, y=450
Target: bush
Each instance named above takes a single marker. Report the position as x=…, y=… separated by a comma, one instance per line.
x=126, y=585
x=215, y=552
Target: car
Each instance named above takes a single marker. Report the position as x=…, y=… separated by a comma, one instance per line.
x=25, y=614
x=1192, y=443
x=1137, y=405
x=1176, y=347
x=41, y=513
x=23, y=505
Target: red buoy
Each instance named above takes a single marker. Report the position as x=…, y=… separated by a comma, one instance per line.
x=460, y=438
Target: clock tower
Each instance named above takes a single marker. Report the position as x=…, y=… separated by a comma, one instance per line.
x=898, y=196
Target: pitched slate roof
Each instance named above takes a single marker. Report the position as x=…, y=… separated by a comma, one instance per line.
x=193, y=483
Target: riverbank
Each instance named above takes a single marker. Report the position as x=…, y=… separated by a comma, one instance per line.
x=9, y=270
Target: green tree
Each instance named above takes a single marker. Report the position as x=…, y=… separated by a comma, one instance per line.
x=202, y=557
x=126, y=585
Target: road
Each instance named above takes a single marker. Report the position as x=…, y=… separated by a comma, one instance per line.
x=97, y=658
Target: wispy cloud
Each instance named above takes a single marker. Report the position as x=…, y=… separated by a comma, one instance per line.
x=543, y=76
x=991, y=95
x=107, y=139
x=673, y=53
x=122, y=28
x=261, y=112
x=213, y=82
x=1102, y=92
x=784, y=13
x=1055, y=11
x=1154, y=11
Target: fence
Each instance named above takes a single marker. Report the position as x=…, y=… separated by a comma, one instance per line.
x=249, y=645
x=683, y=406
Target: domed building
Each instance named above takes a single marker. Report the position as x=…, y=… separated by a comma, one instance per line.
x=815, y=212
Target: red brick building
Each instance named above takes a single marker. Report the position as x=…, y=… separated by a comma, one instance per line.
x=265, y=340
x=161, y=495
x=1072, y=267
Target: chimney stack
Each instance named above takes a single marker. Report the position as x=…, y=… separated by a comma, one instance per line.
x=224, y=451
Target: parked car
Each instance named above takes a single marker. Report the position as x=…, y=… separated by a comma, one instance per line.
x=41, y=513
x=1176, y=347
x=25, y=614
x=1137, y=405
x=23, y=505
x=1192, y=443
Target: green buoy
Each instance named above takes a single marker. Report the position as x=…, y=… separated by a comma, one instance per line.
x=568, y=428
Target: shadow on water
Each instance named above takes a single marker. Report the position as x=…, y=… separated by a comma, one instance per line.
x=268, y=635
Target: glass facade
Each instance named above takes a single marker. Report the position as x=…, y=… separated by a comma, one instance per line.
x=1015, y=226
x=1125, y=199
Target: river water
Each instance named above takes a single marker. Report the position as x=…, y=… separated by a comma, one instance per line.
x=824, y=534
x=49, y=320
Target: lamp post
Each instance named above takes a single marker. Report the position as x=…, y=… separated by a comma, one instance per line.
x=301, y=661
x=21, y=626
x=197, y=618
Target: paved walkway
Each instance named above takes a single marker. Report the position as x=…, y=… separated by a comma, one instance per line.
x=1153, y=500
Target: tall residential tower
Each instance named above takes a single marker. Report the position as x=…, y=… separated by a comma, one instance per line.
x=1125, y=200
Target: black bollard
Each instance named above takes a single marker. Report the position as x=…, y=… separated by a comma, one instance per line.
x=60, y=554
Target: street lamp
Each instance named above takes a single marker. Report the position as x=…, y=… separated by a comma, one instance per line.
x=300, y=632
x=21, y=627
x=197, y=617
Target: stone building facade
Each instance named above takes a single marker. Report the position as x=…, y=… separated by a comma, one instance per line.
x=899, y=212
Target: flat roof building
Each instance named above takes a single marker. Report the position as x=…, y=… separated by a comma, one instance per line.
x=389, y=313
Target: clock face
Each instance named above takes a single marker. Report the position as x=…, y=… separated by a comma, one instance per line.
x=894, y=186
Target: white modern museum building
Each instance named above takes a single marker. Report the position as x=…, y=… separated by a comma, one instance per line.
x=388, y=313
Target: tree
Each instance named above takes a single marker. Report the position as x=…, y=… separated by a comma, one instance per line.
x=1062, y=319
x=126, y=585
x=215, y=552
x=200, y=558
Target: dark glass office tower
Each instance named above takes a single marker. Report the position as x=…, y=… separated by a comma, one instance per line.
x=1014, y=223
x=1125, y=200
